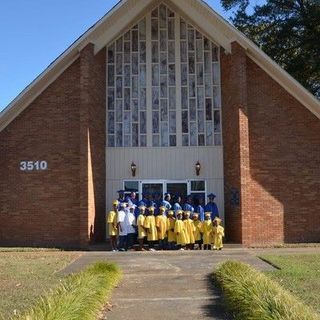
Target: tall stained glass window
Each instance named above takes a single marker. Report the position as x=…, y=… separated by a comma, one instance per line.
x=142, y=85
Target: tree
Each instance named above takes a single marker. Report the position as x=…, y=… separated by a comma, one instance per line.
x=288, y=31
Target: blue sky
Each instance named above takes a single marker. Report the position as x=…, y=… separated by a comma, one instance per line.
x=34, y=32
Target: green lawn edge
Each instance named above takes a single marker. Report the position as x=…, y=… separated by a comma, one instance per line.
x=251, y=295
x=80, y=296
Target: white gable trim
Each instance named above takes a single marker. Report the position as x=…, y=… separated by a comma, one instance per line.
x=124, y=13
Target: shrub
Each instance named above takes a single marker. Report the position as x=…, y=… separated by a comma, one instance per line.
x=251, y=295
x=80, y=296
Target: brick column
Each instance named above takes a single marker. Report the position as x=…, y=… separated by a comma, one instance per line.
x=86, y=63
x=236, y=140
x=92, y=145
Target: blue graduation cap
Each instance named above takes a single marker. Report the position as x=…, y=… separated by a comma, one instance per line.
x=211, y=195
x=120, y=191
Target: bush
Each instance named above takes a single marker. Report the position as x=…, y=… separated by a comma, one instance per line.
x=251, y=295
x=80, y=296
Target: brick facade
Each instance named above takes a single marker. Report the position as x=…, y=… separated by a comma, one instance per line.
x=271, y=157
x=65, y=125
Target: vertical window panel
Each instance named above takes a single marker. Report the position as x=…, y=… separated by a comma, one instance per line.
x=127, y=85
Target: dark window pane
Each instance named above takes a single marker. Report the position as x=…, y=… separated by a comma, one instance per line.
x=172, y=75
x=217, y=122
x=111, y=99
x=126, y=98
x=184, y=97
x=183, y=51
x=183, y=29
x=192, y=109
x=111, y=54
x=191, y=63
x=135, y=41
x=171, y=52
x=172, y=98
x=173, y=141
x=172, y=122
x=155, y=98
x=171, y=29
x=201, y=140
x=191, y=39
x=155, y=122
x=185, y=123
x=111, y=122
x=154, y=29
x=163, y=63
x=111, y=75
x=208, y=109
x=143, y=56
x=197, y=186
x=164, y=109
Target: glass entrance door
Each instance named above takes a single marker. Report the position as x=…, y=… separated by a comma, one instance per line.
x=177, y=188
x=153, y=188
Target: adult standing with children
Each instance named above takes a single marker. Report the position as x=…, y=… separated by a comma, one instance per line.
x=212, y=207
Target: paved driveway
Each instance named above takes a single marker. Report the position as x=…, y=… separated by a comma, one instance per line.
x=167, y=285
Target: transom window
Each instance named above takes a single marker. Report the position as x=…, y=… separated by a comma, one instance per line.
x=163, y=78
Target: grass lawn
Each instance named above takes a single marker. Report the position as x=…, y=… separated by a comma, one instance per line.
x=300, y=274
x=25, y=275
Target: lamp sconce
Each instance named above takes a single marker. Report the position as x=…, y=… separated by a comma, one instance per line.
x=133, y=169
x=198, y=168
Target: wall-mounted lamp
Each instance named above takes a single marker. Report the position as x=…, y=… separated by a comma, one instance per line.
x=133, y=169
x=198, y=168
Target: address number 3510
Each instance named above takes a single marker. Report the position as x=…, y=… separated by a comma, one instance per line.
x=33, y=165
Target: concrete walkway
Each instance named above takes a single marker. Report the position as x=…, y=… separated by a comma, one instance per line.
x=167, y=285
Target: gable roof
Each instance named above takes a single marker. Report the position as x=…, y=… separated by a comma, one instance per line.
x=129, y=11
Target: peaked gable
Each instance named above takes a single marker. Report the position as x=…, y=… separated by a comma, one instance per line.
x=128, y=11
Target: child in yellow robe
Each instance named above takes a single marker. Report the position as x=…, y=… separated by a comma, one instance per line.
x=190, y=229
x=218, y=234
x=112, y=225
x=171, y=235
x=180, y=231
x=162, y=227
x=198, y=230
x=150, y=226
x=207, y=231
x=141, y=230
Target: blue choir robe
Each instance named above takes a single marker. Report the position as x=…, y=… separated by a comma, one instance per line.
x=188, y=207
x=199, y=209
x=213, y=208
x=166, y=204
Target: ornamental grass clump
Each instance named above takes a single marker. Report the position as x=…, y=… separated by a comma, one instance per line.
x=80, y=296
x=251, y=295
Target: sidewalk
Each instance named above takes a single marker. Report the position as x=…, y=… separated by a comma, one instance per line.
x=167, y=285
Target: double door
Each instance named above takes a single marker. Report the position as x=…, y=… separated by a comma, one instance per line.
x=162, y=187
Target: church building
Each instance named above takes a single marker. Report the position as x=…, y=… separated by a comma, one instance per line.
x=160, y=96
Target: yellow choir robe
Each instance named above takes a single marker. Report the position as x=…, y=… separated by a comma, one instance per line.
x=180, y=232
x=140, y=223
x=198, y=230
x=150, y=225
x=190, y=229
x=162, y=227
x=218, y=234
x=171, y=235
x=207, y=231
x=112, y=223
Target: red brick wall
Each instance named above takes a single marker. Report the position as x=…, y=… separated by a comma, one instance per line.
x=231, y=148
x=65, y=125
x=92, y=149
x=271, y=155
x=42, y=207
x=284, y=164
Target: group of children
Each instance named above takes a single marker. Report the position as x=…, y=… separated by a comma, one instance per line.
x=169, y=229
